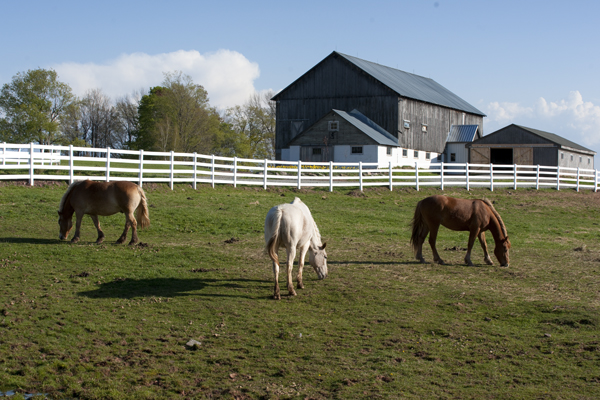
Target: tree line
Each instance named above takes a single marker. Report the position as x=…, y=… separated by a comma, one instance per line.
x=175, y=116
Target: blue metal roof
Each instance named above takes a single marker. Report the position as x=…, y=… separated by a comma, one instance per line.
x=462, y=133
x=368, y=127
x=412, y=86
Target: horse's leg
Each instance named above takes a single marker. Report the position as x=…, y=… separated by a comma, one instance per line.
x=472, y=235
x=124, y=234
x=432, y=238
x=77, y=227
x=303, y=251
x=486, y=255
x=133, y=223
x=291, y=254
x=97, y=225
x=276, y=294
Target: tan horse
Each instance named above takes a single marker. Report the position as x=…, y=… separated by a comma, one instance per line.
x=103, y=198
x=475, y=216
x=293, y=227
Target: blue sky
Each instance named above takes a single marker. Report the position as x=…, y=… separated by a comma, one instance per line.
x=533, y=63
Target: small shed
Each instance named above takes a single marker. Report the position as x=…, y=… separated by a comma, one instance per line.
x=458, y=137
x=517, y=144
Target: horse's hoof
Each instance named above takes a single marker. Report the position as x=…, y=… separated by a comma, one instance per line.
x=75, y=240
x=293, y=293
x=132, y=243
x=277, y=297
x=119, y=241
x=300, y=286
x=99, y=241
x=440, y=261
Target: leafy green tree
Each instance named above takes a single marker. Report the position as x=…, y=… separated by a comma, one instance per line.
x=32, y=106
x=254, y=124
x=177, y=116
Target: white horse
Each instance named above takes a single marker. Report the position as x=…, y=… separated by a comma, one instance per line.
x=293, y=227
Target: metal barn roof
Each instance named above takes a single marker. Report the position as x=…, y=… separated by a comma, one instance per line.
x=412, y=86
x=368, y=127
x=556, y=139
x=462, y=133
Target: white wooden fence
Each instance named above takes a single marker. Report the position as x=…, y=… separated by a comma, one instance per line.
x=39, y=162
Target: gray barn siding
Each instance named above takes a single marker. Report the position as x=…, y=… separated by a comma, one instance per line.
x=513, y=135
x=335, y=84
x=438, y=120
x=545, y=156
x=347, y=135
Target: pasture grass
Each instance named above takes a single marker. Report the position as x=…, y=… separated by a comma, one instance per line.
x=111, y=321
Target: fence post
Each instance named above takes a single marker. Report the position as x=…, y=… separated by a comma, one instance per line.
x=107, y=164
x=360, y=180
x=265, y=175
x=31, y=170
x=515, y=176
x=212, y=169
x=299, y=174
x=195, y=170
x=491, y=177
x=172, y=168
x=3, y=153
x=595, y=180
x=19, y=158
x=537, y=178
x=467, y=175
x=141, y=173
x=71, y=165
x=578, y=179
x=417, y=175
x=558, y=178
x=391, y=178
x=331, y=176
x=235, y=171
x=442, y=175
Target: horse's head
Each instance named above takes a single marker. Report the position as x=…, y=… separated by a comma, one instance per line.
x=65, y=224
x=501, y=251
x=318, y=259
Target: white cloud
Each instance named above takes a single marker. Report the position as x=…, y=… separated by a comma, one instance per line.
x=572, y=118
x=227, y=76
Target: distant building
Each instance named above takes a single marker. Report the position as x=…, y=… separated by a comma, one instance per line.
x=517, y=144
x=378, y=107
x=458, y=137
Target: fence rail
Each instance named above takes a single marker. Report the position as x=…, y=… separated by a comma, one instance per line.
x=69, y=163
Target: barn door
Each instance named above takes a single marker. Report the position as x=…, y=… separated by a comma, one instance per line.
x=316, y=153
x=523, y=155
x=480, y=155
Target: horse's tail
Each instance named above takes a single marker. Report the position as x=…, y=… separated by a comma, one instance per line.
x=273, y=223
x=142, y=216
x=418, y=227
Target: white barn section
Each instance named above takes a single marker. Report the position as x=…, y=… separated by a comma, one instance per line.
x=458, y=137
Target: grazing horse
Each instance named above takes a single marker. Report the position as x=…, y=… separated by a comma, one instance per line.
x=103, y=198
x=475, y=216
x=293, y=227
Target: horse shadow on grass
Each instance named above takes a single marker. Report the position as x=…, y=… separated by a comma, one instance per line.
x=129, y=288
x=17, y=240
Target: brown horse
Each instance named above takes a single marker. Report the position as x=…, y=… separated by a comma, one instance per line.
x=103, y=198
x=475, y=216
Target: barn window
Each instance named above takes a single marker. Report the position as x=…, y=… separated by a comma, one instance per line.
x=406, y=124
x=562, y=156
x=404, y=153
x=453, y=157
x=316, y=151
x=334, y=126
x=428, y=156
x=571, y=157
x=416, y=154
x=357, y=150
x=423, y=128
x=580, y=159
x=589, y=161
x=389, y=151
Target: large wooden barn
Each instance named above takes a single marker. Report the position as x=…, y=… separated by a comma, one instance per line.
x=416, y=111
x=515, y=144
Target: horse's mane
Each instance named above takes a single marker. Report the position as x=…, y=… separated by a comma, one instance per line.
x=498, y=217
x=63, y=201
x=316, y=238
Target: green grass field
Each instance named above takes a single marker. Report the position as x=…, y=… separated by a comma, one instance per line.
x=109, y=321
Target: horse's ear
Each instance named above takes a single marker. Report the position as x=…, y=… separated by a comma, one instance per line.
x=323, y=247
